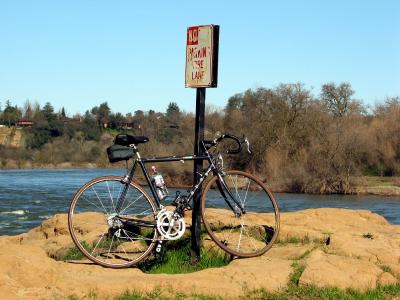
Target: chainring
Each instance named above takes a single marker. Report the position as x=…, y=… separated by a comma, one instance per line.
x=170, y=225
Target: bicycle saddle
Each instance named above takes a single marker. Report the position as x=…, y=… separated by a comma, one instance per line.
x=127, y=139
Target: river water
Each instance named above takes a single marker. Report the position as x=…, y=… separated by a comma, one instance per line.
x=27, y=197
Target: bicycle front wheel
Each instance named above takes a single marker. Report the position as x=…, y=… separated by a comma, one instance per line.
x=240, y=214
x=112, y=223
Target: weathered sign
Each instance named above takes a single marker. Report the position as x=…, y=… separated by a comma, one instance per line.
x=202, y=56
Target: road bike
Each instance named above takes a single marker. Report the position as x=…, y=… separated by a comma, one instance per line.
x=116, y=222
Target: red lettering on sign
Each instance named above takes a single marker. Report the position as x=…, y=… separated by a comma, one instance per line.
x=193, y=36
x=198, y=64
x=198, y=75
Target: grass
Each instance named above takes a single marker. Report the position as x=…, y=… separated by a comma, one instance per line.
x=386, y=268
x=314, y=293
x=73, y=253
x=176, y=259
x=296, y=274
x=375, y=181
x=304, y=240
x=368, y=235
x=157, y=294
x=292, y=292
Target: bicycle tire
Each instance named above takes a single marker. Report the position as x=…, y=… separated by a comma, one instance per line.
x=246, y=235
x=106, y=235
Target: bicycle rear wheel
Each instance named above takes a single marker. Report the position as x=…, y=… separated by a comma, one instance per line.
x=109, y=235
x=244, y=234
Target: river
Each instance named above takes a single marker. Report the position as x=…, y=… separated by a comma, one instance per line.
x=27, y=197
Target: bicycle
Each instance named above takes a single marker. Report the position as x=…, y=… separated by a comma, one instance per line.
x=115, y=223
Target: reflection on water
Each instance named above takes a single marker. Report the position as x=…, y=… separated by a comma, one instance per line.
x=27, y=197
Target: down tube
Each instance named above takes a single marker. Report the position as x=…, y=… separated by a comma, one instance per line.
x=152, y=189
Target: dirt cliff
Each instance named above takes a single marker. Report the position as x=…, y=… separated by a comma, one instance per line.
x=330, y=247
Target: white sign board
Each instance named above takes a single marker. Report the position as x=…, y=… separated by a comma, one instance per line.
x=200, y=56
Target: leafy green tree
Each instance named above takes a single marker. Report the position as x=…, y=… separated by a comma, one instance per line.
x=62, y=113
x=173, y=112
x=11, y=114
x=48, y=112
x=117, y=120
x=89, y=127
x=103, y=114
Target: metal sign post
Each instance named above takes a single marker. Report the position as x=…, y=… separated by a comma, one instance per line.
x=201, y=72
x=197, y=169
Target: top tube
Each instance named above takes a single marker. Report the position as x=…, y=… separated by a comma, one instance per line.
x=174, y=158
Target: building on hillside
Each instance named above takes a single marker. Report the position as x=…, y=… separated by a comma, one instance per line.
x=25, y=123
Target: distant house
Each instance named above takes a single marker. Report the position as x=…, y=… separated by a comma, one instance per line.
x=71, y=120
x=24, y=123
x=125, y=125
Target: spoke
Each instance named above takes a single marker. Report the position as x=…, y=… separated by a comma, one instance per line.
x=97, y=244
x=143, y=213
x=132, y=203
x=109, y=249
x=240, y=237
x=264, y=239
x=83, y=197
x=234, y=183
x=105, y=210
x=109, y=192
x=121, y=245
x=251, y=239
x=248, y=235
x=245, y=195
x=138, y=235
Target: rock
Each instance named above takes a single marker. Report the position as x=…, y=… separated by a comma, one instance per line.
x=290, y=251
x=326, y=270
x=361, y=246
x=395, y=270
x=387, y=279
x=383, y=247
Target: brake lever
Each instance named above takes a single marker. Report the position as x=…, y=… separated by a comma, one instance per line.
x=248, y=145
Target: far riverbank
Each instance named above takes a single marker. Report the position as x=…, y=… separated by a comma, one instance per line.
x=30, y=196
x=366, y=185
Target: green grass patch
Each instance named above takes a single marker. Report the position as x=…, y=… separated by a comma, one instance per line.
x=288, y=240
x=376, y=181
x=368, y=235
x=314, y=293
x=157, y=294
x=176, y=259
x=298, y=269
x=386, y=268
x=72, y=254
x=296, y=240
x=292, y=292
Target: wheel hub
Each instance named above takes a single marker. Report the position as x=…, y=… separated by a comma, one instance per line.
x=114, y=222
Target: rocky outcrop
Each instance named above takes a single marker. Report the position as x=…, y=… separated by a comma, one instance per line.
x=333, y=247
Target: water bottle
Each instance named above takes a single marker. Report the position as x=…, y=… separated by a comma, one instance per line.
x=158, y=182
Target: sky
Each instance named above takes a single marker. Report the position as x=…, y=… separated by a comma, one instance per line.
x=78, y=54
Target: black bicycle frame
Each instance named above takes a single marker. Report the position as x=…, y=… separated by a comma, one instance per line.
x=142, y=161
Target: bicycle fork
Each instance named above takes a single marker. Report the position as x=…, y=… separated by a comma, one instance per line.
x=224, y=188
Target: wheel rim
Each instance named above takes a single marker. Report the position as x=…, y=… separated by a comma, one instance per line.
x=246, y=234
x=108, y=235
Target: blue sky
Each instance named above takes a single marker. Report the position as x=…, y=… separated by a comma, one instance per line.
x=131, y=54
